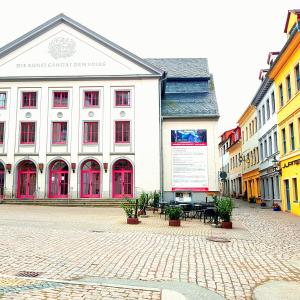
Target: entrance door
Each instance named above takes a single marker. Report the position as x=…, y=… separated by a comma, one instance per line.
x=58, y=180
x=26, y=180
x=90, y=179
x=2, y=173
x=287, y=194
x=122, y=179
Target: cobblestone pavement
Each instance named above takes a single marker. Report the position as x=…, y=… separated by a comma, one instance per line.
x=72, y=243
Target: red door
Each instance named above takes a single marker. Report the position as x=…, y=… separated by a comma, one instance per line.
x=58, y=180
x=90, y=180
x=2, y=173
x=26, y=180
x=122, y=179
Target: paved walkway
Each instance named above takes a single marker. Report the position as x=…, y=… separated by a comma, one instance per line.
x=77, y=243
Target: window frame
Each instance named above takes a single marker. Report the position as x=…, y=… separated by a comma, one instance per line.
x=30, y=106
x=2, y=133
x=297, y=78
x=60, y=142
x=288, y=87
x=273, y=102
x=129, y=132
x=84, y=99
x=28, y=133
x=90, y=134
x=5, y=101
x=281, y=98
x=122, y=91
x=54, y=105
x=292, y=136
x=268, y=109
x=295, y=190
x=283, y=135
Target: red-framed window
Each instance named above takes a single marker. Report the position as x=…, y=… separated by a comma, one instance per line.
x=91, y=99
x=3, y=99
x=122, y=132
x=29, y=99
x=91, y=132
x=122, y=98
x=60, y=99
x=59, y=132
x=27, y=133
x=1, y=132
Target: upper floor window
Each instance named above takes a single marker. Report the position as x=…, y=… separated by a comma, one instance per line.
x=297, y=77
x=122, y=98
x=261, y=151
x=270, y=146
x=3, y=98
x=268, y=109
x=292, y=138
x=288, y=87
x=60, y=99
x=29, y=99
x=59, y=132
x=273, y=102
x=259, y=119
x=263, y=115
x=27, y=133
x=1, y=132
x=283, y=140
x=281, y=95
x=90, y=132
x=91, y=99
x=122, y=132
x=266, y=148
x=246, y=133
x=250, y=129
x=275, y=142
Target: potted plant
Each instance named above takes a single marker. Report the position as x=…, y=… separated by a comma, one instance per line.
x=224, y=209
x=276, y=207
x=130, y=209
x=174, y=214
x=252, y=199
x=143, y=203
x=154, y=200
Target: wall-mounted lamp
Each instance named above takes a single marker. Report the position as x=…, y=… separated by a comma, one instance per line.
x=8, y=168
x=73, y=166
x=41, y=167
x=105, y=165
x=244, y=158
x=276, y=166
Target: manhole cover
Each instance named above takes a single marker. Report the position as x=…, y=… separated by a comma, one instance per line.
x=98, y=231
x=28, y=274
x=218, y=239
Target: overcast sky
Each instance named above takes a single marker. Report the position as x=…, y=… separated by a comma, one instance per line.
x=234, y=35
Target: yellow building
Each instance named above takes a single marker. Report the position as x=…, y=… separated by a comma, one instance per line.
x=285, y=72
x=250, y=155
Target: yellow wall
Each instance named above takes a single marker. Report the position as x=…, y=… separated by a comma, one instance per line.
x=251, y=179
x=292, y=21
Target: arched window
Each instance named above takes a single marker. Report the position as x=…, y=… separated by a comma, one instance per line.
x=58, y=179
x=122, y=177
x=90, y=179
x=26, y=186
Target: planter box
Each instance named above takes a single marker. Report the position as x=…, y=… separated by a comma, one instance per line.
x=276, y=208
x=174, y=222
x=132, y=221
x=227, y=225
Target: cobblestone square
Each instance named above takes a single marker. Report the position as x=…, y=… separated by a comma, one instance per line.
x=79, y=244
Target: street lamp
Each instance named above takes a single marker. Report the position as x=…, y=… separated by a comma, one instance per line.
x=276, y=165
x=244, y=158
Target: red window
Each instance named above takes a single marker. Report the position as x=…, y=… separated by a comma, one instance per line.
x=60, y=99
x=59, y=132
x=122, y=98
x=29, y=99
x=1, y=133
x=27, y=133
x=91, y=99
x=3, y=98
x=90, y=132
x=122, y=132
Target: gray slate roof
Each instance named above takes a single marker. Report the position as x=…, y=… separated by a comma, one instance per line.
x=182, y=67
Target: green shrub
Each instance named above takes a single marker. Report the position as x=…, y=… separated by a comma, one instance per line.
x=174, y=213
x=224, y=208
x=129, y=207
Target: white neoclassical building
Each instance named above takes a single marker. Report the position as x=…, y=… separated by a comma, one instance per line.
x=81, y=117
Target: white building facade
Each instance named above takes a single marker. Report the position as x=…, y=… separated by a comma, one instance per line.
x=80, y=117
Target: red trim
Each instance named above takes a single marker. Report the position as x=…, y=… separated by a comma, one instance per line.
x=94, y=99
x=59, y=97
x=60, y=180
x=25, y=175
x=1, y=132
x=59, y=136
x=204, y=189
x=90, y=132
x=122, y=132
x=29, y=99
x=295, y=11
x=2, y=180
x=122, y=98
x=27, y=133
x=89, y=174
x=122, y=179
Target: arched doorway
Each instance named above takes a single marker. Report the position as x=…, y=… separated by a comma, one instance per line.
x=26, y=180
x=2, y=175
x=90, y=179
x=122, y=179
x=58, y=179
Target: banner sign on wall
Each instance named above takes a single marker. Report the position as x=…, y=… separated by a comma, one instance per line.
x=189, y=160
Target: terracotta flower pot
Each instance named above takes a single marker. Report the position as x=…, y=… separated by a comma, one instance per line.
x=174, y=222
x=227, y=225
x=132, y=221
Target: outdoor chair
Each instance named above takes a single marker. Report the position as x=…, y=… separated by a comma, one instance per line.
x=211, y=214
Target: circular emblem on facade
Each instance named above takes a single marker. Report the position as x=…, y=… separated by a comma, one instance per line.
x=62, y=47
x=122, y=114
x=59, y=115
x=28, y=115
x=91, y=114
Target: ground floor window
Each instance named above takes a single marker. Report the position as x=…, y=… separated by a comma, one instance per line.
x=122, y=179
x=26, y=186
x=2, y=174
x=58, y=179
x=90, y=179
